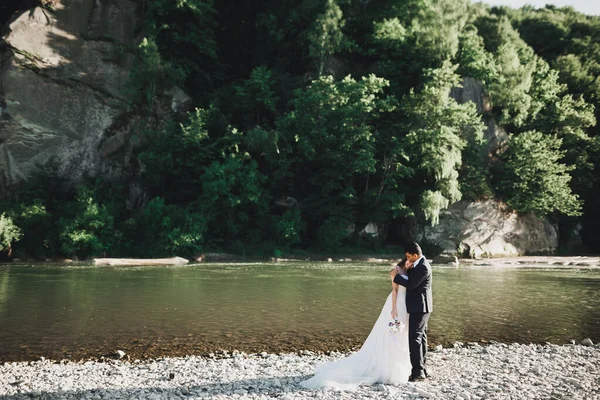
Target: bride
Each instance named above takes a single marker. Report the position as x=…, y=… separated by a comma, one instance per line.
x=384, y=356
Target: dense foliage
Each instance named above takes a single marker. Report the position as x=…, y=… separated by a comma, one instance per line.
x=315, y=119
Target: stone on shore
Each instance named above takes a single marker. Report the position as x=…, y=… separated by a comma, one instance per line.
x=468, y=371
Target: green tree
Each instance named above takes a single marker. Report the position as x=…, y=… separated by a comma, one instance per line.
x=579, y=77
x=533, y=179
x=438, y=130
x=390, y=33
x=9, y=233
x=473, y=60
x=185, y=33
x=554, y=111
x=162, y=230
x=290, y=228
x=437, y=26
x=257, y=95
x=417, y=35
x=329, y=145
x=234, y=200
x=150, y=74
x=510, y=92
x=173, y=159
x=325, y=37
x=39, y=230
x=90, y=231
x=515, y=64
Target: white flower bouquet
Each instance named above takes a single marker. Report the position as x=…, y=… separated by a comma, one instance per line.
x=396, y=326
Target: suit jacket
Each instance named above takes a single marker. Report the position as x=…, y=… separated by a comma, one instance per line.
x=418, y=288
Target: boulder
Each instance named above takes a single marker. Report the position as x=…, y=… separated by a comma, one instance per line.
x=371, y=229
x=487, y=229
x=446, y=259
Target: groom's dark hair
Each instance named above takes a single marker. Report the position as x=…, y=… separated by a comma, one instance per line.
x=413, y=248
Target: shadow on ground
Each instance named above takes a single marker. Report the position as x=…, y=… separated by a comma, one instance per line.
x=261, y=386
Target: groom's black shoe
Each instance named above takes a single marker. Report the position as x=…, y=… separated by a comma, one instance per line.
x=419, y=378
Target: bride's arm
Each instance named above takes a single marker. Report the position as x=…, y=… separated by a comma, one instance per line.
x=394, y=299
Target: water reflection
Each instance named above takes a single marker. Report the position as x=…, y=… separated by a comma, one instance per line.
x=87, y=311
x=4, y=279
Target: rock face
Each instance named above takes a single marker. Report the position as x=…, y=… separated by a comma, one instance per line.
x=471, y=90
x=62, y=75
x=64, y=71
x=487, y=229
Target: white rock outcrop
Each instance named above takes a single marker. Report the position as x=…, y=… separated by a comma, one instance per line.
x=487, y=229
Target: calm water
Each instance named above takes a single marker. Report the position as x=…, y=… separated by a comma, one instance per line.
x=58, y=312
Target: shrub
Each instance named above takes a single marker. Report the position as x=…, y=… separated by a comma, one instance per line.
x=9, y=233
x=90, y=230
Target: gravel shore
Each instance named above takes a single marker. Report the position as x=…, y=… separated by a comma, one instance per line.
x=496, y=371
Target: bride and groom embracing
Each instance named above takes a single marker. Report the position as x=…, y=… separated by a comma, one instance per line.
x=394, y=352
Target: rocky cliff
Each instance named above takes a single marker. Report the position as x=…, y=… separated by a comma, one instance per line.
x=63, y=73
x=487, y=229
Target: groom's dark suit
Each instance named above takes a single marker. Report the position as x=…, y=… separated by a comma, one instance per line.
x=419, y=304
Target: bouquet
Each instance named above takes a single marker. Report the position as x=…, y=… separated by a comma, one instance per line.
x=396, y=326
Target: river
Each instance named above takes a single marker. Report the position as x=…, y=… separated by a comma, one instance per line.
x=58, y=311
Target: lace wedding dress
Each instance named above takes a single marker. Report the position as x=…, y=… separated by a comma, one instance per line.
x=383, y=358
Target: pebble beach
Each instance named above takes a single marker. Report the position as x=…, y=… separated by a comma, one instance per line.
x=466, y=371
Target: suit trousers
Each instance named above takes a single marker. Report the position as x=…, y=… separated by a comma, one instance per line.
x=417, y=342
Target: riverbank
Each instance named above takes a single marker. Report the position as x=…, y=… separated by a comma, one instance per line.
x=496, y=371
x=535, y=261
x=522, y=261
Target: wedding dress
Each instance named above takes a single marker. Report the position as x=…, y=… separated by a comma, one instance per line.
x=383, y=358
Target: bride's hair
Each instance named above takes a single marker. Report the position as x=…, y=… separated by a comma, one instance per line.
x=400, y=266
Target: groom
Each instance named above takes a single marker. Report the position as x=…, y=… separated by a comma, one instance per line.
x=419, y=305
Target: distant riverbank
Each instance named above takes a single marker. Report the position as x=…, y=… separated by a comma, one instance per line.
x=536, y=261
x=529, y=261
